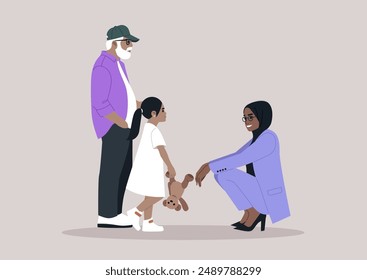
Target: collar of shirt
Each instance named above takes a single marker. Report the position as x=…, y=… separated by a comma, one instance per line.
x=110, y=56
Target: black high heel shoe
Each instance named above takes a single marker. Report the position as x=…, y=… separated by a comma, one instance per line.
x=261, y=218
x=236, y=224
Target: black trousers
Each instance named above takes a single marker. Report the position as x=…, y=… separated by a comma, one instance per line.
x=116, y=163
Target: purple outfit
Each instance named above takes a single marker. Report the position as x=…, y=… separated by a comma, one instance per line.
x=265, y=192
x=108, y=92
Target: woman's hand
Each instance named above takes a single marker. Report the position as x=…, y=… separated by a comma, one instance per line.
x=201, y=173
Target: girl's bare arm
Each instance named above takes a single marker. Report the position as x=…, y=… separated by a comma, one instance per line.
x=164, y=155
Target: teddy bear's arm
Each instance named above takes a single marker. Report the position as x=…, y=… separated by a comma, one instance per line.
x=185, y=207
x=188, y=178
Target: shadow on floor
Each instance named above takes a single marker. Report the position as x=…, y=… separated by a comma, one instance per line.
x=183, y=232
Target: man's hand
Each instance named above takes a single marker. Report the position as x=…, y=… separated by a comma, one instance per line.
x=201, y=173
x=122, y=123
x=113, y=117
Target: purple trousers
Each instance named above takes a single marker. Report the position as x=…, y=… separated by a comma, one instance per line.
x=243, y=189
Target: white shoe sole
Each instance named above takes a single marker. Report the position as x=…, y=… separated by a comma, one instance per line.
x=153, y=230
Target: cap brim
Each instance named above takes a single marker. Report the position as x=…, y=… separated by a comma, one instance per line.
x=132, y=38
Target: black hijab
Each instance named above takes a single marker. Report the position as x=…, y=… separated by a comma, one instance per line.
x=263, y=112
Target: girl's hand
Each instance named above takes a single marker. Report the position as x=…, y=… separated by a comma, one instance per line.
x=171, y=172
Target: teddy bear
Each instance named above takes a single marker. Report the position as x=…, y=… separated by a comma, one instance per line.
x=176, y=190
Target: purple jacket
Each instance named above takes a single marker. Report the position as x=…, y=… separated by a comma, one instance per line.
x=108, y=92
x=264, y=154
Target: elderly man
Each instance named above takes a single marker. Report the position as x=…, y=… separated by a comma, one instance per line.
x=113, y=107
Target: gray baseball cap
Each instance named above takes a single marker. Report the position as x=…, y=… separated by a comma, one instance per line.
x=120, y=31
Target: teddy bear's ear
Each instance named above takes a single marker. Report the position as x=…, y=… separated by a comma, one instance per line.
x=178, y=208
x=165, y=202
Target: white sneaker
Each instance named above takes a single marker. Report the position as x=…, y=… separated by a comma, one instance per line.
x=150, y=226
x=134, y=218
x=119, y=221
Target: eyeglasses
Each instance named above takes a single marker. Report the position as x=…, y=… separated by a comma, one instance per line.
x=126, y=40
x=249, y=118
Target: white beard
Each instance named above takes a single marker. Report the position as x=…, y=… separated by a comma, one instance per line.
x=123, y=54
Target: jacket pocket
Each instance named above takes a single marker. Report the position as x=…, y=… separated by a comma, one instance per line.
x=275, y=191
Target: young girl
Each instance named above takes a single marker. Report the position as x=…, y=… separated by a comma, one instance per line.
x=147, y=174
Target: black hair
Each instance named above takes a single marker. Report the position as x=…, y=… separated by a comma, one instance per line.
x=148, y=105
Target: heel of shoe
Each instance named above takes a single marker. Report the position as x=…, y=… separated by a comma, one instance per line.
x=133, y=215
x=263, y=223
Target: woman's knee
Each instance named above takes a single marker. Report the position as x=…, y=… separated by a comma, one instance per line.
x=225, y=176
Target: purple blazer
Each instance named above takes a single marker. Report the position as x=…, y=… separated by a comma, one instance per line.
x=264, y=154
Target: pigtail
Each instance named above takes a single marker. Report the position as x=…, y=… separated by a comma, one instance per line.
x=135, y=126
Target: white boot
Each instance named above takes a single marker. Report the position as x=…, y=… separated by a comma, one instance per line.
x=150, y=226
x=134, y=215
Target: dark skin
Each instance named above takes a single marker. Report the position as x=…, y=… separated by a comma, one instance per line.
x=251, y=124
x=113, y=117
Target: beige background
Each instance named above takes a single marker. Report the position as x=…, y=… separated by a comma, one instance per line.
x=206, y=60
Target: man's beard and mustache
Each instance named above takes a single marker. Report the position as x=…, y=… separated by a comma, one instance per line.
x=123, y=54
